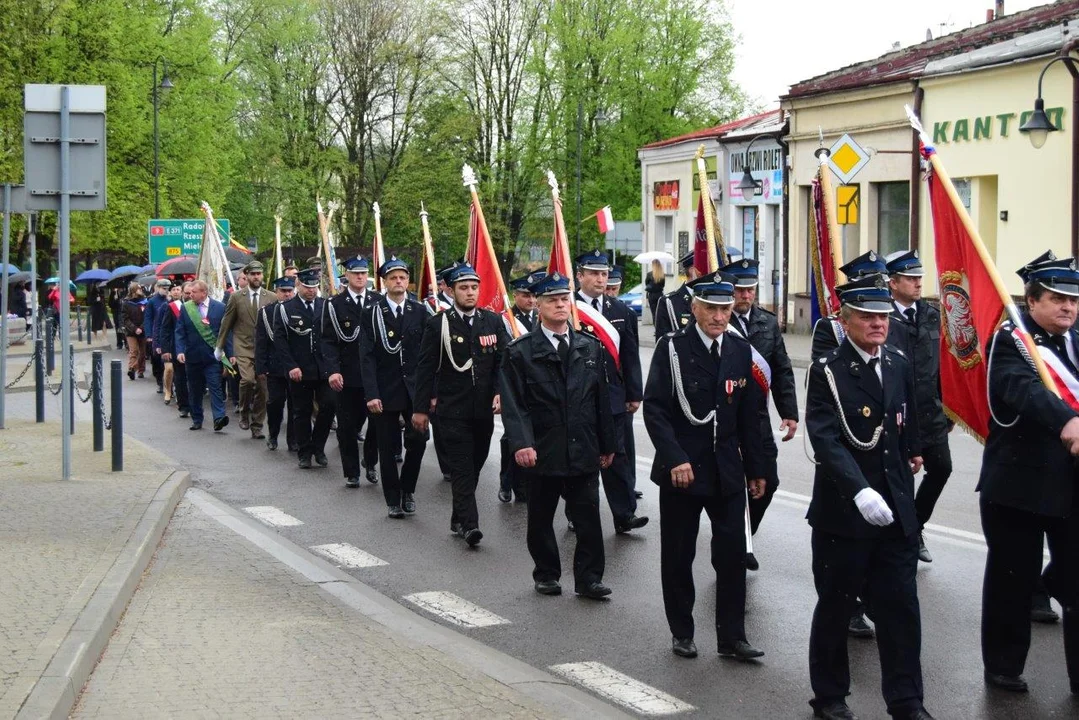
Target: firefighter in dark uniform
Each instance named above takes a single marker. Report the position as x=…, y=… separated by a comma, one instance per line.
x=458, y=372
x=672, y=311
x=342, y=326
x=828, y=331
x=702, y=412
x=297, y=330
x=445, y=302
x=1028, y=476
x=557, y=416
x=625, y=384
x=525, y=313
x=761, y=328
x=862, y=422
x=914, y=328
x=277, y=381
x=390, y=348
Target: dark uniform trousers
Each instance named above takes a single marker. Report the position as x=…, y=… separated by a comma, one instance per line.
x=277, y=393
x=439, y=438
x=758, y=506
x=387, y=429
x=581, y=493
x=467, y=444
x=1012, y=570
x=302, y=396
x=510, y=475
x=351, y=415
x=618, y=482
x=679, y=521
x=937, y=460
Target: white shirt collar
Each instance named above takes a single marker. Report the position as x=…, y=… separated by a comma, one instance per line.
x=356, y=297
x=707, y=340
x=552, y=336
x=587, y=298
x=903, y=308
x=866, y=357
x=464, y=314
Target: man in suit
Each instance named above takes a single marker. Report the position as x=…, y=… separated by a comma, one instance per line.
x=342, y=324
x=296, y=331
x=175, y=371
x=557, y=416
x=241, y=316
x=705, y=451
x=1028, y=475
x=673, y=311
x=861, y=420
x=390, y=350
x=198, y=328
x=267, y=367
x=761, y=328
x=162, y=342
x=524, y=312
x=158, y=300
x=623, y=376
x=458, y=371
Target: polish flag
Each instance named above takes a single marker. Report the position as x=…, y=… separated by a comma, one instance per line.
x=606, y=219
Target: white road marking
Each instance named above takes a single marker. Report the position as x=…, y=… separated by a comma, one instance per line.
x=274, y=517
x=621, y=689
x=345, y=555
x=455, y=609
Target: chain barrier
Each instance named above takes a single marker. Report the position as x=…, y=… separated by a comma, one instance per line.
x=89, y=388
x=99, y=378
x=49, y=386
x=30, y=364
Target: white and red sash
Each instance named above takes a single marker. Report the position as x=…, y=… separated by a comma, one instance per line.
x=1065, y=380
x=762, y=371
x=593, y=322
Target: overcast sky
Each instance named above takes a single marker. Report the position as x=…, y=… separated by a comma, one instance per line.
x=786, y=41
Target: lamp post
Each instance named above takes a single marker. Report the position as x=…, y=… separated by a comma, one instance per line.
x=749, y=187
x=166, y=84
x=1038, y=126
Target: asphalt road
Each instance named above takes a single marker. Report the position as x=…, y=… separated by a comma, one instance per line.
x=629, y=633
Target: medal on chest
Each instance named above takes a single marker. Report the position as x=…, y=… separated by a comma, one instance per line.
x=729, y=386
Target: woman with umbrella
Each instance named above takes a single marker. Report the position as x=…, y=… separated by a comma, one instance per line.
x=99, y=316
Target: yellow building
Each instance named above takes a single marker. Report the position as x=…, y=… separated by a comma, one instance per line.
x=973, y=90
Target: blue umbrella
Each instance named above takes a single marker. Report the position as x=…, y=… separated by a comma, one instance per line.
x=125, y=271
x=10, y=269
x=56, y=281
x=93, y=275
x=148, y=268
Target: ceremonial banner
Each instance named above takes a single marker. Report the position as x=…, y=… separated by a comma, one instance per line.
x=213, y=266
x=278, y=258
x=427, y=287
x=378, y=252
x=481, y=256
x=823, y=249
x=715, y=253
x=327, y=281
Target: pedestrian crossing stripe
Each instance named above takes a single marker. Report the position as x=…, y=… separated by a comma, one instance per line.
x=622, y=689
x=455, y=609
x=349, y=556
x=274, y=517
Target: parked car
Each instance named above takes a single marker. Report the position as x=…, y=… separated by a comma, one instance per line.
x=634, y=297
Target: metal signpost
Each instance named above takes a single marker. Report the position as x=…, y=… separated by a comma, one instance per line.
x=171, y=238
x=64, y=161
x=13, y=201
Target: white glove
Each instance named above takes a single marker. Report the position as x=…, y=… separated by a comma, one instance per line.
x=218, y=353
x=873, y=508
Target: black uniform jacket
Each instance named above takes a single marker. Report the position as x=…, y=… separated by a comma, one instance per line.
x=765, y=336
x=338, y=355
x=165, y=338
x=725, y=452
x=391, y=376
x=626, y=385
x=294, y=346
x=1025, y=466
x=827, y=333
x=526, y=319
x=265, y=355
x=563, y=414
x=920, y=341
x=842, y=469
x=679, y=304
x=466, y=394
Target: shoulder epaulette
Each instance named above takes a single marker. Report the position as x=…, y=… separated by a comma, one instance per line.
x=516, y=340
x=896, y=350
x=828, y=357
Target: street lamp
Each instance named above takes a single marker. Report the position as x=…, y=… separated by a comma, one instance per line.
x=749, y=187
x=1038, y=126
x=166, y=84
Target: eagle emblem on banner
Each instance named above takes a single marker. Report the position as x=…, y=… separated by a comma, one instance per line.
x=959, y=330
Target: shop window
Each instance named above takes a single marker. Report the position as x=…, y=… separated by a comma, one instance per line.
x=893, y=217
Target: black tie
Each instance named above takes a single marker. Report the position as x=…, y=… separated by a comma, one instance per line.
x=909, y=312
x=399, y=308
x=742, y=324
x=715, y=352
x=310, y=307
x=1060, y=343
x=595, y=304
x=469, y=319
x=563, y=349
x=873, y=363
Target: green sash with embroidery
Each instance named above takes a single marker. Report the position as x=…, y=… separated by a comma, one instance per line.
x=204, y=330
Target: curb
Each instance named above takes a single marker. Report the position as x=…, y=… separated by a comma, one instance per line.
x=565, y=699
x=55, y=692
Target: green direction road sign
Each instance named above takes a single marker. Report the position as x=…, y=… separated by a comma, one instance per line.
x=173, y=238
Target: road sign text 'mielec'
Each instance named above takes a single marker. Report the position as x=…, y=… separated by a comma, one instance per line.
x=172, y=238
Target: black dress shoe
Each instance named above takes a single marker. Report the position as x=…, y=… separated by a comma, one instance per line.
x=398, y=458
x=185, y=413
x=160, y=390
x=751, y=562
x=548, y=587
x=396, y=512
x=859, y=628
x=195, y=426
x=372, y=476
x=220, y=423
x=739, y=650
x=1041, y=611
x=352, y=482
x=473, y=537
x=408, y=503
x=294, y=448
x=457, y=529
x=923, y=551
x=520, y=497
x=919, y=714
x=835, y=710
x=633, y=522
x=320, y=458
x=445, y=476
x=1011, y=683
x=638, y=494
x=594, y=591
x=272, y=443
x=131, y=374
x=684, y=647
x=505, y=496
x=305, y=463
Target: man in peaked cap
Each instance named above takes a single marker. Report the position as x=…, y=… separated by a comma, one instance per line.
x=241, y=318
x=558, y=421
x=914, y=328
x=1028, y=476
x=864, y=524
x=761, y=328
x=828, y=331
x=614, y=282
x=673, y=311
x=697, y=469
x=267, y=367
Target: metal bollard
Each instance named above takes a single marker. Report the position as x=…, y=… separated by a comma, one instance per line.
x=50, y=346
x=95, y=400
x=116, y=374
x=78, y=320
x=71, y=384
x=39, y=380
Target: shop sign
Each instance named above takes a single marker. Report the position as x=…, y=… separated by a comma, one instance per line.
x=982, y=128
x=665, y=195
x=765, y=165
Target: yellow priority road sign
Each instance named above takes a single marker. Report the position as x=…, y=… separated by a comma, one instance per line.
x=846, y=158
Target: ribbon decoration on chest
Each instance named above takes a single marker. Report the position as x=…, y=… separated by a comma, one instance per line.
x=762, y=371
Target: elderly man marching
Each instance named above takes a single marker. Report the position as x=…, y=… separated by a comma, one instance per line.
x=241, y=317
x=701, y=409
x=861, y=420
x=458, y=370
